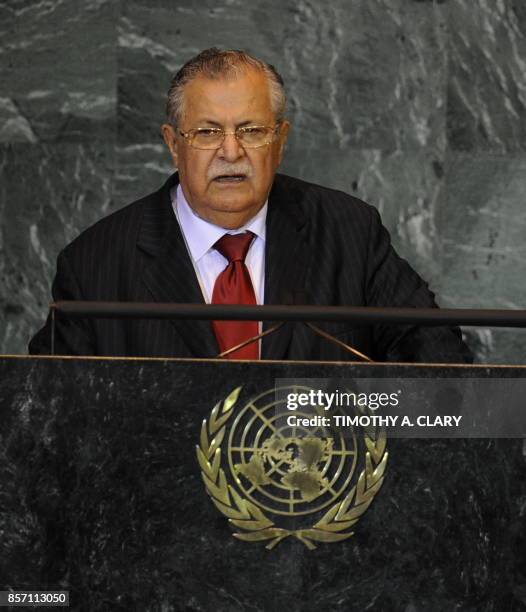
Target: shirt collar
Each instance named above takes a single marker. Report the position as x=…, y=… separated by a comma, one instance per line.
x=201, y=235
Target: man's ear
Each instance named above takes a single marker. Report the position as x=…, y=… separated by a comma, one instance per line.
x=170, y=138
x=283, y=135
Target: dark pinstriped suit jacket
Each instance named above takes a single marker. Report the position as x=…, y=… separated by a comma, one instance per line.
x=323, y=247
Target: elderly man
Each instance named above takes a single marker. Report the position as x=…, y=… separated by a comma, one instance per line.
x=226, y=229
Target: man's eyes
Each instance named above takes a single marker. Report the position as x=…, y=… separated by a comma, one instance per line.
x=250, y=130
x=209, y=132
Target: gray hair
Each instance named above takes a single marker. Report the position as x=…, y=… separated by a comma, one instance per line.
x=213, y=64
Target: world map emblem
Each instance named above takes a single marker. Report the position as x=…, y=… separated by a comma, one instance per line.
x=273, y=480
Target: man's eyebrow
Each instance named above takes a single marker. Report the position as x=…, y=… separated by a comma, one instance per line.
x=249, y=122
x=209, y=122
x=214, y=123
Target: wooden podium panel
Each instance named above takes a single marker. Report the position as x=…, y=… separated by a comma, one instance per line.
x=101, y=494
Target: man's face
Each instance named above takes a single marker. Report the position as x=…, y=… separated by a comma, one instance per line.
x=226, y=103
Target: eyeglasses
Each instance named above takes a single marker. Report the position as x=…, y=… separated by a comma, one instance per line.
x=249, y=137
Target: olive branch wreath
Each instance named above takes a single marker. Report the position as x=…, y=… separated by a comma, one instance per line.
x=248, y=517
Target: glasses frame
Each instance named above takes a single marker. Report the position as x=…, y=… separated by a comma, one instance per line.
x=190, y=134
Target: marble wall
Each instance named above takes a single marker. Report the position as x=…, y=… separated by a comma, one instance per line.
x=418, y=107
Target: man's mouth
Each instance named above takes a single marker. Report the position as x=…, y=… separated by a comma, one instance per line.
x=230, y=178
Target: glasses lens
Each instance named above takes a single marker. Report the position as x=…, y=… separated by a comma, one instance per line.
x=207, y=138
x=253, y=136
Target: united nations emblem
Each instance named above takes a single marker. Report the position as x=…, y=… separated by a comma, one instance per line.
x=273, y=481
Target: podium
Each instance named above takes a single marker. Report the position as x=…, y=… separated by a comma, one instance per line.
x=102, y=494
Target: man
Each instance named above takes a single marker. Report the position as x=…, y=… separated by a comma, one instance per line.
x=227, y=229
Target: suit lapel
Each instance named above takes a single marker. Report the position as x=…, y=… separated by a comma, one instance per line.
x=286, y=260
x=169, y=273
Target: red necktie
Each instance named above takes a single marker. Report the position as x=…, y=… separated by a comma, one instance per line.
x=233, y=286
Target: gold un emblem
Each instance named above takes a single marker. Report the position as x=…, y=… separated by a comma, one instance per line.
x=287, y=481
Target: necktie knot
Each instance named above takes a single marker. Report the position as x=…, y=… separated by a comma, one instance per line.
x=234, y=247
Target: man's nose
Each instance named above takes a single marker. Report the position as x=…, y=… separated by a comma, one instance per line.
x=231, y=150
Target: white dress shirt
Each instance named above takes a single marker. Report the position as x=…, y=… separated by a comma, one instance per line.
x=200, y=237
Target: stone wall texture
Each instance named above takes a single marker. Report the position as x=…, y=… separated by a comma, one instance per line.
x=418, y=107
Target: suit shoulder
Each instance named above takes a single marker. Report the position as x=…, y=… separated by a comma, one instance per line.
x=319, y=200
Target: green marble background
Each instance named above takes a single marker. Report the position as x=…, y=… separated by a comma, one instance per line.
x=418, y=107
